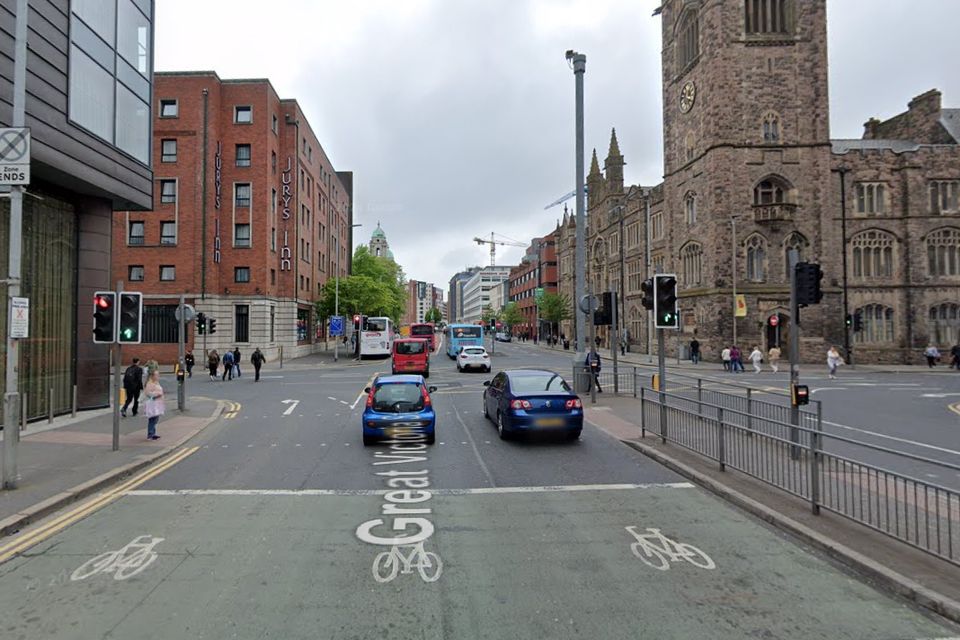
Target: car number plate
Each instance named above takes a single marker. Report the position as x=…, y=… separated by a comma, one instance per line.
x=550, y=422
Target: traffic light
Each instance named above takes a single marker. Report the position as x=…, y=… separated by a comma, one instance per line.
x=849, y=321
x=665, y=314
x=800, y=394
x=647, y=288
x=104, y=317
x=201, y=323
x=809, y=276
x=858, y=321
x=211, y=326
x=131, y=317
x=604, y=315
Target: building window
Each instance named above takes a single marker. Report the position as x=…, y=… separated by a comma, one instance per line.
x=243, y=155
x=637, y=321
x=656, y=226
x=794, y=241
x=241, y=235
x=273, y=162
x=273, y=278
x=657, y=263
x=273, y=239
x=756, y=257
x=168, y=191
x=168, y=273
x=633, y=235
x=770, y=191
x=168, y=233
x=241, y=274
x=241, y=332
x=945, y=324
x=273, y=323
x=870, y=198
x=634, y=276
x=872, y=254
x=160, y=324
x=135, y=233
x=771, y=127
x=241, y=194
x=943, y=252
x=688, y=40
x=243, y=114
x=768, y=17
x=274, y=126
x=691, y=256
x=169, y=108
x=110, y=73
x=168, y=151
x=944, y=196
x=135, y=273
x=690, y=208
x=689, y=146
x=613, y=244
x=877, y=324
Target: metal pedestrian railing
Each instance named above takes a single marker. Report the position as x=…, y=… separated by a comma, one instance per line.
x=824, y=468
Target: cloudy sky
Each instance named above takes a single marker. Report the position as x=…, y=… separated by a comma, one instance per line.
x=456, y=116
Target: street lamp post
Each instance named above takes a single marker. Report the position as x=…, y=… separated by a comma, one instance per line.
x=843, y=243
x=579, y=62
x=733, y=271
x=336, y=297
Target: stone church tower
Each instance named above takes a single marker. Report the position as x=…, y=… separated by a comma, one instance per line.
x=379, y=245
x=746, y=147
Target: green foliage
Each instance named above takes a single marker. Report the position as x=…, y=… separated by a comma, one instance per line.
x=511, y=314
x=433, y=315
x=555, y=308
x=375, y=288
x=488, y=314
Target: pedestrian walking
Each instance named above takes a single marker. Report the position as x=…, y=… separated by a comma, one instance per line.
x=623, y=345
x=774, y=355
x=154, y=406
x=695, y=351
x=189, y=361
x=227, y=365
x=213, y=362
x=736, y=359
x=132, y=386
x=257, y=361
x=955, y=354
x=756, y=357
x=725, y=357
x=932, y=354
x=593, y=361
x=236, y=360
x=834, y=360
x=597, y=340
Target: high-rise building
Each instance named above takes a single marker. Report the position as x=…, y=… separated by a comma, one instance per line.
x=250, y=219
x=476, y=291
x=455, y=297
x=537, y=270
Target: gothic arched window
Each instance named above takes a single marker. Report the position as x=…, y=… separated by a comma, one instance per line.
x=691, y=257
x=872, y=254
x=690, y=207
x=756, y=257
x=768, y=17
x=794, y=241
x=688, y=39
x=772, y=190
x=877, y=324
x=945, y=324
x=771, y=127
x=943, y=252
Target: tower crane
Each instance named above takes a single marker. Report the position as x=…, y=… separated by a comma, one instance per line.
x=493, y=242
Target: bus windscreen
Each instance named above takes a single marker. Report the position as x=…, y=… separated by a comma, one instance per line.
x=376, y=324
x=421, y=330
x=467, y=332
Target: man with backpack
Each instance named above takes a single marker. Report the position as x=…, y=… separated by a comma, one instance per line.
x=132, y=386
x=227, y=364
x=257, y=361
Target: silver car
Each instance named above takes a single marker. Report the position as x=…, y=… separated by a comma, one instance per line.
x=473, y=358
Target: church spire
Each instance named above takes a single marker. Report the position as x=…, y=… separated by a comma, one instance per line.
x=594, y=165
x=613, y=165
x=614, y=151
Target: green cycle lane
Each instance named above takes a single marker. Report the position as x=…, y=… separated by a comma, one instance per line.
x=649, y=561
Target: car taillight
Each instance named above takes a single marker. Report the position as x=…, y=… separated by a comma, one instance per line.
x=485, y=356
x=463, y=356
x=574, y=404
x=370, y=399
x=426, y=397
x=520, y=404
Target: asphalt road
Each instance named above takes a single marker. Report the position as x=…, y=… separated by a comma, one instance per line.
x=278, y=523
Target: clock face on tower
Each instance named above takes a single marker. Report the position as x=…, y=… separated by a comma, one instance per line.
x=687, y=95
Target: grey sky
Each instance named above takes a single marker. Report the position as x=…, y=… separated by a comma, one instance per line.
x=457, y=115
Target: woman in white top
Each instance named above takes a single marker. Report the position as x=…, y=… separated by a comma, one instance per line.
x=756, y=356
x=725, y=356
x=834, y=360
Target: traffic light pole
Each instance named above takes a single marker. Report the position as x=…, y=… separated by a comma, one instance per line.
x=793, y=258
x=614, y=344
x=181, y=353
x=117, y=374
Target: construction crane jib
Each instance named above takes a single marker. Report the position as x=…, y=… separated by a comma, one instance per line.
x=494, y=241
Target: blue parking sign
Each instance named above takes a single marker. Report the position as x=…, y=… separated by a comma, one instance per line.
x=336, y=325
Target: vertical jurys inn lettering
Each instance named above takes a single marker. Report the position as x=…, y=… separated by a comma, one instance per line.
x=286, y=177
x=217, y=182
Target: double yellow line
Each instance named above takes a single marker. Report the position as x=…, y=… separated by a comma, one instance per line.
x=38, y=535
x=233, y=408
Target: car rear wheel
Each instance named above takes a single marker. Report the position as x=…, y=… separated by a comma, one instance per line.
x=488, y=369
x=431, y=438
x=426, y=374
x=486, y=414
x=500, y=430
x=368, y=440
x=575, y=435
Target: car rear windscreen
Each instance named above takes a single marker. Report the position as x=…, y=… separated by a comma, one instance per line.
x=421, y=330
x=538, y=383
x=409, y=348
x=475, y=352
x=398, y=398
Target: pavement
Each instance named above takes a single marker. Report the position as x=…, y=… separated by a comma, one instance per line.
x=71, y=458
x=275, y=521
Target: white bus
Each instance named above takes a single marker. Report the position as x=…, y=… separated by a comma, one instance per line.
x=376, y=337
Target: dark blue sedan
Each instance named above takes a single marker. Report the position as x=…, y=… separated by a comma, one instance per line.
x=399, y=406
x=528, y=400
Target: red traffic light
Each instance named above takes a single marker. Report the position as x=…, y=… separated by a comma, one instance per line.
x=356, y=318
x=103, y=302
x=774, y=320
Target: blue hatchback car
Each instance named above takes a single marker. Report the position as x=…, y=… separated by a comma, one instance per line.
x=398, y=405
x=529, y=400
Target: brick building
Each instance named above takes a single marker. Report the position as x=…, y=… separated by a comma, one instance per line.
x=750, y=172
x=537, y=269
x=421, y=297
x=248, y=218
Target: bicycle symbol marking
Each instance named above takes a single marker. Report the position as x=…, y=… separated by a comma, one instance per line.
x=658, y=551
x=124, y=563
x=389, y=564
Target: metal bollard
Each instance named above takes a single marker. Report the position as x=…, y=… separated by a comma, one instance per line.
x=643, y=411
x=815, y=464
x=50, y=406
x=634, y=382
x=23, y=411
x=73, y=413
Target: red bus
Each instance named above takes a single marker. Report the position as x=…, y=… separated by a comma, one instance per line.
x=424, y=330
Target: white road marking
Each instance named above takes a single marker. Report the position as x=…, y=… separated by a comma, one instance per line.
x=249, y=446
x=895, y=438
x=298, y=445
x=473, y=445
x=938, y=395
x=380, y=492
x=330, y=398
x=134, y=557
x=273, y=444
x=291, y=407
x=345, y=402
